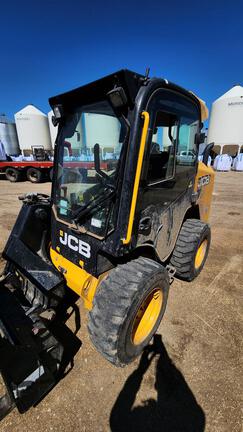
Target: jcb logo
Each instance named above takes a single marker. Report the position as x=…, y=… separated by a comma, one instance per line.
x=203, y=181
x=75, y=244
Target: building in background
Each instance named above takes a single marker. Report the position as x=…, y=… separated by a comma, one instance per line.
x=226, y=123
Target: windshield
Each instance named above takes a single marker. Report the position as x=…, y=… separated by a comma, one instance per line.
x=90, y=149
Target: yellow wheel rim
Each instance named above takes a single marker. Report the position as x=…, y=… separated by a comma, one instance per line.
x=147, y=316
x=200, y=255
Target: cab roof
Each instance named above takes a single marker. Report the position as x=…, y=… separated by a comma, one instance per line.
x=94, y=91
x=129, y=80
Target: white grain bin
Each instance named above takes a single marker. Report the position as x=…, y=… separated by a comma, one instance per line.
x=8, y=136
x=53, y=129
x=92, y=129
x=32, y=129
x=226, y=122
x=101, y=129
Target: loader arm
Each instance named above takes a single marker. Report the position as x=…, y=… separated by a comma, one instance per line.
x=31, y=349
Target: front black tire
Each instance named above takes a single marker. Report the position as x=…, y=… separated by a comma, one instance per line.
x=117, y=309
x=194, y=236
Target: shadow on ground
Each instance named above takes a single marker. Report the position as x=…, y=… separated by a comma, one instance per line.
x=175, y=410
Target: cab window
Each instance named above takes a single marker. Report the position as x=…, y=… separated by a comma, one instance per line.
x=162, y=149
x=186, y=153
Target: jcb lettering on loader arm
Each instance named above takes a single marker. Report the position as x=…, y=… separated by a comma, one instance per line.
x=127, y=212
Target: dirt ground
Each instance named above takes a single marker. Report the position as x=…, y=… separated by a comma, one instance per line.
x=193, y=381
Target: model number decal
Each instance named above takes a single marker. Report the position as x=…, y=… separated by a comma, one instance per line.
x=75, y=244
x=203, y=181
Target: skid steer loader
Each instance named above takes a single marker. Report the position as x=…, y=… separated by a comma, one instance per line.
x=128, y=210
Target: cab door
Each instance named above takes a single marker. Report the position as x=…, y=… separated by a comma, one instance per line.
x=169, y=168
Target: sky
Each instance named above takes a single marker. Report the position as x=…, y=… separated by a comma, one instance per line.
x=48, y=47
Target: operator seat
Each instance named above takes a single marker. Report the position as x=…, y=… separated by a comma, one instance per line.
x=158, y=165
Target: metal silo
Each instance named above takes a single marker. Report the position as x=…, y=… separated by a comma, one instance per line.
x=32, y=129
x=8, y=136
x=226, y=122
x=102, y=129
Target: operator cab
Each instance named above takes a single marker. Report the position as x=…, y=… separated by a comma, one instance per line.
x=96, y=163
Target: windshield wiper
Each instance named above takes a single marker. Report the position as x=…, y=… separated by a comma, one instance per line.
x=108, y=186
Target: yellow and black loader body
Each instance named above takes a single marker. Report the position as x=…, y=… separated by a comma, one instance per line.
x=149, y=211
x=122, y=191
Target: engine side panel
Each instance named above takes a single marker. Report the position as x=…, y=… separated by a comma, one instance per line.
x=203, y=187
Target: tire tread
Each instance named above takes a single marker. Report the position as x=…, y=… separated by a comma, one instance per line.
x=112, y=302
x=192, y=231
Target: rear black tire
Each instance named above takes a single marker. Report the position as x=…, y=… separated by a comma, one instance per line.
x=34, y=175
x=193, y=234
x=13, y=175
x=117, y=303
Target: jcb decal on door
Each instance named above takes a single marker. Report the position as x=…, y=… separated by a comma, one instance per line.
x=203, y=181
x=75, y=244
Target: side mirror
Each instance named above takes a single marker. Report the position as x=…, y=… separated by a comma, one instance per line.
x=58, y=114
x=54, y=121
x=206, y=152
x=200, y=138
